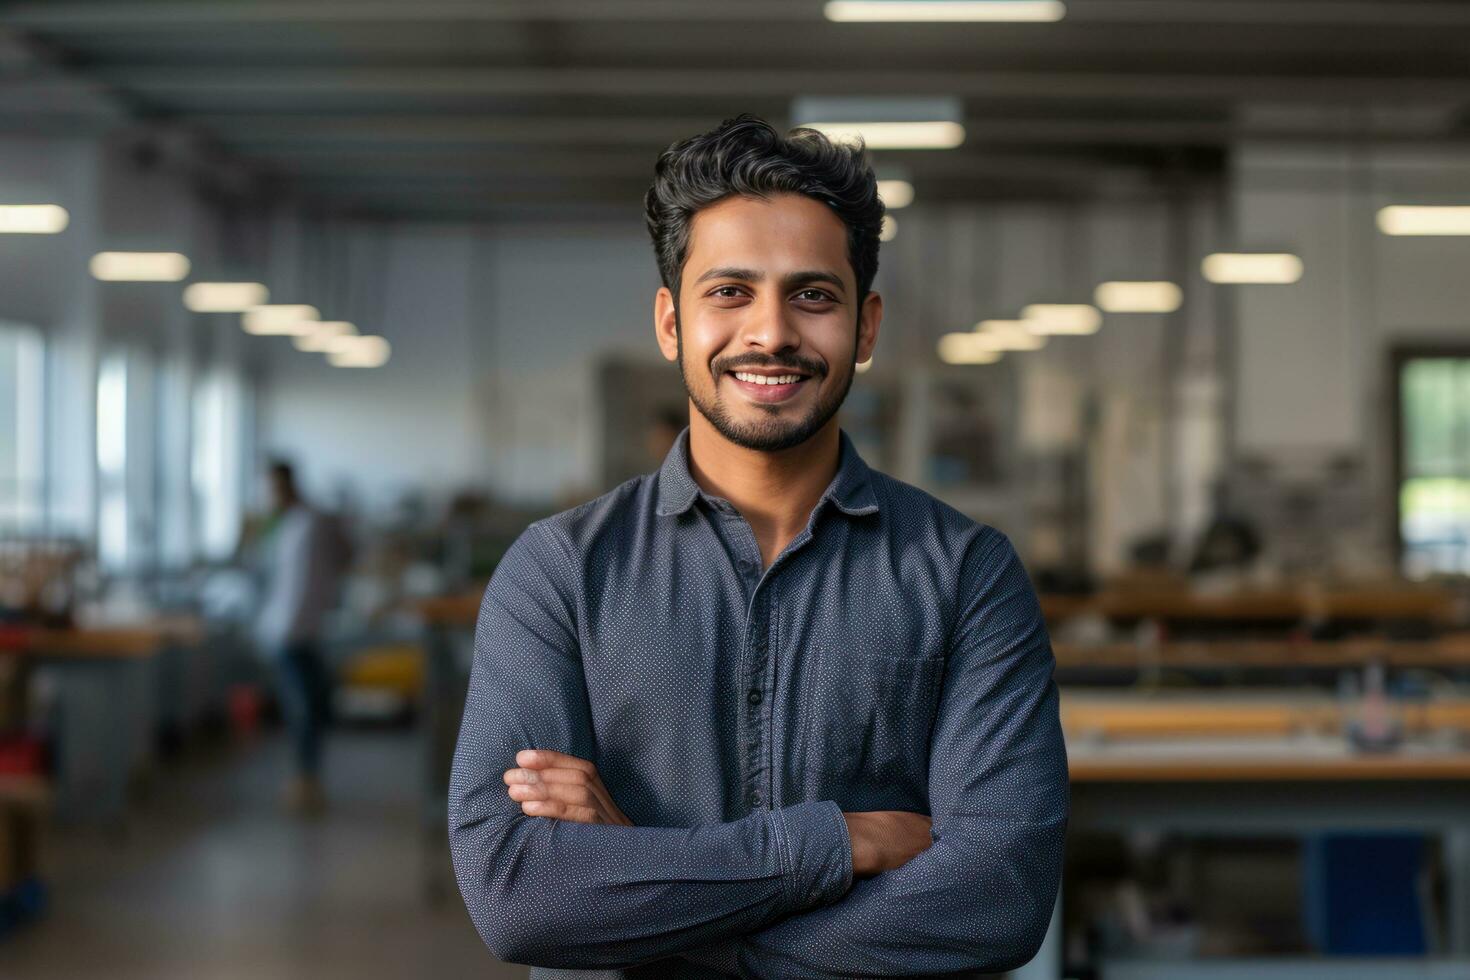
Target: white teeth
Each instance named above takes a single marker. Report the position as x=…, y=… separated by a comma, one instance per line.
x=761, y=379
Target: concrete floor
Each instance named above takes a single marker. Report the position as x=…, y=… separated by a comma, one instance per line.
x=211, y=880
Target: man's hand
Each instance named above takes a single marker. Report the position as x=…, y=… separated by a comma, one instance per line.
x=883, y=840
x=553, y=784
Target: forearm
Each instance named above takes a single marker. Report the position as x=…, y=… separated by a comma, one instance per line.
x=564, y=894
x=979, y=900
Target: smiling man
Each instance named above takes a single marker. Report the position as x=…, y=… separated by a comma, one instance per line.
x=765, y=712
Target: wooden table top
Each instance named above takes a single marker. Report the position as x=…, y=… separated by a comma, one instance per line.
x=123, y=641
x=1271, y=736
x=457, y=609
x=1449, y=650
x=1087, y=767
x=1390, y=601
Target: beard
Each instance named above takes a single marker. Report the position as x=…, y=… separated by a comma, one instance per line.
x=777, y=430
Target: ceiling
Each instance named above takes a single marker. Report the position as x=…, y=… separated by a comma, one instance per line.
x=428, y=109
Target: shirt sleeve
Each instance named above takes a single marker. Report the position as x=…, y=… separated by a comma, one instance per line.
x=981, y=897
x=564, y=894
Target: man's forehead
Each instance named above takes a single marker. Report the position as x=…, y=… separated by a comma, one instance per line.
x=770, y=235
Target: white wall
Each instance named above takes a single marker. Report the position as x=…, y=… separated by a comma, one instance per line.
x=410, y=424
x=496, y=334
x=1312, y=370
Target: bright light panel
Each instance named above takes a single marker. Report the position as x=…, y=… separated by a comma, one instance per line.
x=1002, y=335
x=896, y=193
x=1403, y=219
x=923, y=135
x=945, y=10
x=32, y=219
x=280, y=320
x=1252, y=267
x=889, y=231
x=1138, y=297
x=1076, y=319
x=966, y=348
x=139, y=266
x=326, y=336
x=224, y=297
x=364, y=352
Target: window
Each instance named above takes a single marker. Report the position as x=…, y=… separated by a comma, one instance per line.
x=1434, y=461
x=173, y=476
x=112, y=461
x=22, y=465
x=220, y=437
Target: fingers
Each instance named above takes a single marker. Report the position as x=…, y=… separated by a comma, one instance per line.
x=558, y=810
x=562, y=792
x=547, y=759
x=578, y=777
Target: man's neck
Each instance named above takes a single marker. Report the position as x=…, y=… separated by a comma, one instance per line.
x=774, y=491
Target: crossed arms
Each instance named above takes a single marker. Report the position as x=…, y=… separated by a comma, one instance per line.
x=775, y=892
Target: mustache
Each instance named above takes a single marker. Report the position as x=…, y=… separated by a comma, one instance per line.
x=794, y=362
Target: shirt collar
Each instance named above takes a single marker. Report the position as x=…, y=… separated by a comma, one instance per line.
x=851, y=489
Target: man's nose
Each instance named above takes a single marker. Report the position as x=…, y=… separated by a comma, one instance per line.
x=770, y=326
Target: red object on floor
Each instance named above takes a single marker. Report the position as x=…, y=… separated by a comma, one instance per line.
x=245, y=704
x=22, y=755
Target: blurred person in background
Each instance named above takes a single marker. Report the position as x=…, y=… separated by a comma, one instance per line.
x=305, y=554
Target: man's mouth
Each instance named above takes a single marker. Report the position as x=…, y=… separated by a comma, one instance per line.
x=769, y=386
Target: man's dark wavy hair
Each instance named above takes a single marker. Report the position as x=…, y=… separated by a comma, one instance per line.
x=746, y=156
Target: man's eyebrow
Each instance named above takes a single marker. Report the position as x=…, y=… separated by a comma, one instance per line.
x=731, y=272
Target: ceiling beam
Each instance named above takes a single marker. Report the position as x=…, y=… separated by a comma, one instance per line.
x=717, y=81
x=142, y=15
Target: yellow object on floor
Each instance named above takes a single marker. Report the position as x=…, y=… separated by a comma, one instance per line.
x=397, y=668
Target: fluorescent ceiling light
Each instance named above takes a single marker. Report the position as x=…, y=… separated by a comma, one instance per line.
x=1076, y=319
x=1138, y=297
x=224, y=297
x=889, y=231
x=926, y=135
x=896, y=193
x=1403, y=219
x=325, y=336
x=280, y=320
x=364, y=352
x=32, y=219
x=945, y=10
x=1002, y=335
x=885, y=122
x=966, y=348
x=1252, y=267
x=139, y=266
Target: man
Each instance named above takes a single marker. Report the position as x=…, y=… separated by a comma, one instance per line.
x=713, y=713
x=306, y=555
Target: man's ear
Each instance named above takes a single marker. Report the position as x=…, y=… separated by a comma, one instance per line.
x=666, y=324
x=870, y=317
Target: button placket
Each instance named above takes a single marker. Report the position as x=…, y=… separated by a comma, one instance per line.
x=756, y=710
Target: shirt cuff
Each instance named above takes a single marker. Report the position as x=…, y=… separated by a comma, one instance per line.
x=818, y=852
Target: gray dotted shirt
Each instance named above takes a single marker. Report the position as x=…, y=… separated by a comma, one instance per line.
x=893, y=657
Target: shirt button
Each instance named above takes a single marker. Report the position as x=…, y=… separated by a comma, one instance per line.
x=744, y=565
x=755, y=799
x=754, y=697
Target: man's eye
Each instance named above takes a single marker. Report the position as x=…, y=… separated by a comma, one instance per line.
x=726, y=292
x=813, y=296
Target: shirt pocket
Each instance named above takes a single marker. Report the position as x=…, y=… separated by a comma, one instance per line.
x=869, y=716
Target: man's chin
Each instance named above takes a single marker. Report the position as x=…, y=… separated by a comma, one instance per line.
x=765, y=434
